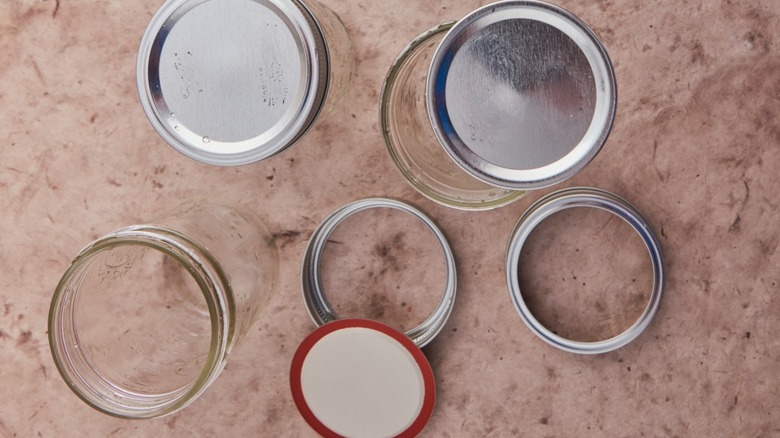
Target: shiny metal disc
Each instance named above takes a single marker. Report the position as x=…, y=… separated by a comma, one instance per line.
x=230, y=82
x=521, y=94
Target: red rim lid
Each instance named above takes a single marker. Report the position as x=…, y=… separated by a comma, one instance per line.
x=356, y=377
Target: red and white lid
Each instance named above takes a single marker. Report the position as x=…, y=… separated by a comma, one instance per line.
x=361, y=378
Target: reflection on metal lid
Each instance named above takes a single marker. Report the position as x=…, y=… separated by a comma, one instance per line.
x=521, y=94
x=230, y=82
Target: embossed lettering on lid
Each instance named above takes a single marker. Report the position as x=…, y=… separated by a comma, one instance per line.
x=230, y=82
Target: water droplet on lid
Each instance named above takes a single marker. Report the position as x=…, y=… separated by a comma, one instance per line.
x=206, y=139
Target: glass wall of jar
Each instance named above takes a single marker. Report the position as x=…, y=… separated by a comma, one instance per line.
x=230, y=82
x=517, y=95
x=144, y=319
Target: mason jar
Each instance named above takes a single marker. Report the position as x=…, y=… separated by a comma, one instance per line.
x=230, y=82
x=518, y=95
x=145, y=317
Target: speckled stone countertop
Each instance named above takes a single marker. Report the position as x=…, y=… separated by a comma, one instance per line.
x=695, y=146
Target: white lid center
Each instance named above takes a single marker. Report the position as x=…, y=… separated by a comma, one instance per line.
x=361, y=382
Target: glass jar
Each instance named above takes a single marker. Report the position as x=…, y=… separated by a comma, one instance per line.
x=144, y=319
x=518, y=95
x=230, y=82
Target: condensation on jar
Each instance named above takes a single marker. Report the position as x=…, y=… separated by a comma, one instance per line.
x=516, y=96
x=231, y=82
x=144, y=319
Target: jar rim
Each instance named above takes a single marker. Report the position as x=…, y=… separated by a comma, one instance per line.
x=73, y=364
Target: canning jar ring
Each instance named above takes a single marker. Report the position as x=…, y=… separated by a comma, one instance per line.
x=593, y=198
x=317, y=304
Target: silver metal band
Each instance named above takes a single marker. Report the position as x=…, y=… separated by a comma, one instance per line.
x=583, y=197
x=313, y=294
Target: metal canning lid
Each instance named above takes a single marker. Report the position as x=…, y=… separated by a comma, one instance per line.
x=361, y=378
x=594, y=198
x=521, y=94
x=317, y=303
x=230, y=82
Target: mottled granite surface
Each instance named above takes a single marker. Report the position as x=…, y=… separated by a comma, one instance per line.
x=696, y=147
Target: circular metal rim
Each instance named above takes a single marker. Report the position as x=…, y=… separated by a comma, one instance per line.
x=581, y=154
x=317, y=304
x=296, y=368
x=315, y=61
x=594, y=198
x=220, y=305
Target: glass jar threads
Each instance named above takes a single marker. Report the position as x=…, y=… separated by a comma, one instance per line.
x=143, y=320
x=230, y=82
x=518, y=95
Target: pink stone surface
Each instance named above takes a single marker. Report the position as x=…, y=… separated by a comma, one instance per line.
x=696, y=147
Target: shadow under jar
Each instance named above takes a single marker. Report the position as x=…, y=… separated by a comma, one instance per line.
x=231, y=82
x=144, y=319
x=517, y=95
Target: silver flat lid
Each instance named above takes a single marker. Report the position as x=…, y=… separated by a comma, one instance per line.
x=230, y=82
x=521, y=94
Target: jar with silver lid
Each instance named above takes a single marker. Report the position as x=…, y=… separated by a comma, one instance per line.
x=144, y=319
x=517, y=95
x=230, y=82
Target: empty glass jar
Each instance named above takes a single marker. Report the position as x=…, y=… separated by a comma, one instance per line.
x=144, y=319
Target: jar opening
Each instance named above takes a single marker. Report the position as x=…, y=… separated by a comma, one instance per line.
x=137, y=324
